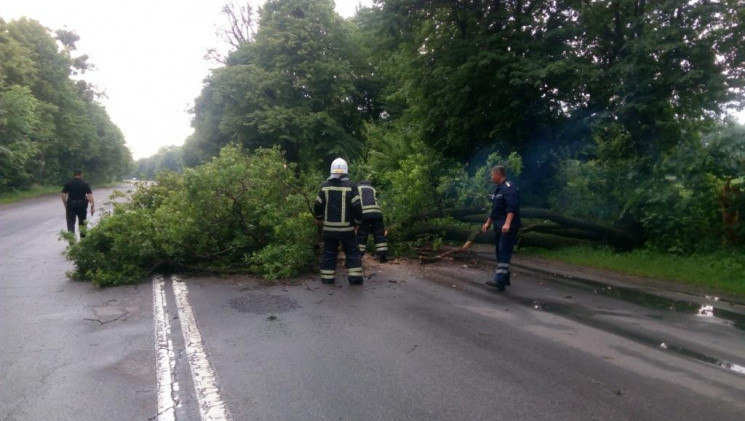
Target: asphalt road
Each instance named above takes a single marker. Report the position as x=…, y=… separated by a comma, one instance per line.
x=69, y=351
x=414, y=343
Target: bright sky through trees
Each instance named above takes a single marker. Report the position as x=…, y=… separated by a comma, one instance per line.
x=149, y=57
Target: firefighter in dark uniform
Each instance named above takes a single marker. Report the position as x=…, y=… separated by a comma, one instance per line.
x=339, y=211
x=76, y=195
x=372, y=221
x=505, y=215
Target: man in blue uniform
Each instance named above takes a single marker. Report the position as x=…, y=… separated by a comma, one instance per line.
x=505, y=215
x=76, y=194
x=338, y=211
x=372, y=221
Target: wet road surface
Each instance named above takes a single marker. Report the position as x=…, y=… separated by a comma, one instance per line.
x=68, y=351
x=414, y=343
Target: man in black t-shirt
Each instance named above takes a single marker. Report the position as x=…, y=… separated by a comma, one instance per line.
x=76, y=194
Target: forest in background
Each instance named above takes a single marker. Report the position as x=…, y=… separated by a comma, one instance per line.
x=617, y=109
x=50, y=119
x=611, y=116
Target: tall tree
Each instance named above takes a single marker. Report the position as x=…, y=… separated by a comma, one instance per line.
x=50, y=123
x=620, y=79
x=294, y=86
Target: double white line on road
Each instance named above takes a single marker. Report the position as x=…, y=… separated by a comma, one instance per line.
x=211, y=404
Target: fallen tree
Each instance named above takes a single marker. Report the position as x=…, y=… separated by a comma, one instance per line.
x=530, y=239
x=541, y=228
x=239, y=213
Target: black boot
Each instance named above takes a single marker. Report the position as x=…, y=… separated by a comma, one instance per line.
x=498, y=284
x=383, y=257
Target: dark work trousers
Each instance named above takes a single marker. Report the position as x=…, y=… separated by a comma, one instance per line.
x=331, y=250
x=77, y=210
x=377, y=228
x=504, y=245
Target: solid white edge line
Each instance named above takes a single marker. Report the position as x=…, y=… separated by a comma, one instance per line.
x=165, y=357
x=211, y=405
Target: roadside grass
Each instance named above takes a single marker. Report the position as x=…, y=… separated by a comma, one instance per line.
x=107, y=184
x=722, y=270
x=15, y=196
x=36, y=191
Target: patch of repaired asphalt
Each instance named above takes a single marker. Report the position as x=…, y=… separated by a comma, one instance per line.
x=263, y=303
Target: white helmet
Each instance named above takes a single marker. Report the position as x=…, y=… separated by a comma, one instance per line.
x=339, y=166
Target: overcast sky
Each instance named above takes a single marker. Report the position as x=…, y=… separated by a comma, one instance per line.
x=149, y=57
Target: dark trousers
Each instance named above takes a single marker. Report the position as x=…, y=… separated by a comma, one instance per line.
x=377, y=228
x=504, y=246
x=79, y=212
x=330, y=252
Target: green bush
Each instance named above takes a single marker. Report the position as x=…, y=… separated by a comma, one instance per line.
x=417, y=184
x=458, y=189
x=675, y=198
x=403, y=169
x=238, y=212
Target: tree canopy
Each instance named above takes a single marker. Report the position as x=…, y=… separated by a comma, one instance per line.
x=617, y=110
x=50, y=122
x=300, y=84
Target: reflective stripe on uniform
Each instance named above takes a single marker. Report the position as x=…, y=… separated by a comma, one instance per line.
x=503, y=265
x=381, y=246
x=363, y=247
x=328, y=271
x=318, y=199
x=335, y=224
x=503, y=271
x=374, y=192
x=343, y=215
x=327, y=276
x=355, y=271
x=326, y=192
x=355, y=199
x=339, y=229
x=344, y=191
x=371, y=209
x=332, y=188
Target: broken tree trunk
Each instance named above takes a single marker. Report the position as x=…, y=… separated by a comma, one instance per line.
x=567, y=226
x=550, y=241
x=554, y=229
x=456, y=234
x=569, y=221
x=530, y=239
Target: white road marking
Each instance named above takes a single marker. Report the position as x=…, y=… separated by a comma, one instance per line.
x=211, y=405
x=165, y=361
